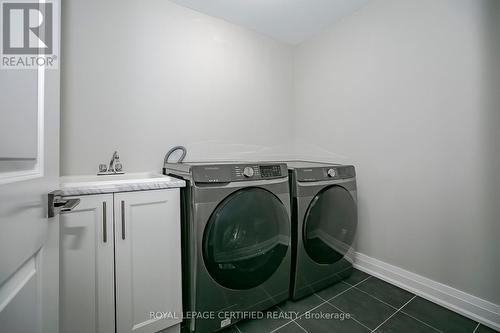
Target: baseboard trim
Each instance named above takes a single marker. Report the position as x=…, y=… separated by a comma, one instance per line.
x=473, y=307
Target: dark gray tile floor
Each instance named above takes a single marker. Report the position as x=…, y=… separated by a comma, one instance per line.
x=361, y=303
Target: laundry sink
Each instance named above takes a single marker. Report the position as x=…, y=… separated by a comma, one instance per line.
x=93, y=184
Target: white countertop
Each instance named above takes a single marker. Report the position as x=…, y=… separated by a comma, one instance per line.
x=93, y=184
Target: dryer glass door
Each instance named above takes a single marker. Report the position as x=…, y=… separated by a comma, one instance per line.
x=330, y=225
x=246, y=238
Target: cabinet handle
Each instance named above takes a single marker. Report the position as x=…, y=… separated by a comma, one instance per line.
x=104, y=223
x=123, y=219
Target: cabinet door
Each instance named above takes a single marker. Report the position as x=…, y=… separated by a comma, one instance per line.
x=148, y=260
x=87, y=267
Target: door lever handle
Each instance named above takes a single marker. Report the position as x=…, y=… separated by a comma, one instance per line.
x=58, y=205
x=67, y=205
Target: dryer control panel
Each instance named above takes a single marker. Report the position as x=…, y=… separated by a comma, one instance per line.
x=325, y=173
x=225, y=173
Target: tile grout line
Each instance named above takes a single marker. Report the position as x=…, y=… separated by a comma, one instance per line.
x=421, y=321
x=409, y=315
x=300, y=326
x=288, y=322
x=376, y=328
x=378, y=299
x=291, y=321
x=351, y=286
x=280, y=327
x=477, y=326
x=354, y=286
x=317, y=306
x=339, y=309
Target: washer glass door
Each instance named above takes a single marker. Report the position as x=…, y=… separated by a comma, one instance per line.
x=246, y=238
x=330, y=225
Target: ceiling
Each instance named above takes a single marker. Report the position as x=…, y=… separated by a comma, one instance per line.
x=289, y=21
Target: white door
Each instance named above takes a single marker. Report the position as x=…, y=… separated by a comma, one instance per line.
x=29, y=169
x=87, y=267
x=148, y=260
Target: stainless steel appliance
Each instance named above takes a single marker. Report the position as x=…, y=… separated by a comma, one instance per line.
x=236, y=240
x=324, y=222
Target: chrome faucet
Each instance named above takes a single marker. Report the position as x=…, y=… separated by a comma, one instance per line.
x=112, y=162
x=115, y=166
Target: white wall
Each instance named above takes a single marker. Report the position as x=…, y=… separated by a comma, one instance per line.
x=143, y=76
x=408, y=91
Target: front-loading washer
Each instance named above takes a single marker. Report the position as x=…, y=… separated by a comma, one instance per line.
x=324, y=222
x=236, y=240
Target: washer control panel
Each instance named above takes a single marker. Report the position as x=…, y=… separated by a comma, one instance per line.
x=270, y=171
x=225, y=173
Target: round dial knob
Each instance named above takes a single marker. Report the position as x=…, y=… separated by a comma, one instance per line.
x=248, y=172
x=331, y=173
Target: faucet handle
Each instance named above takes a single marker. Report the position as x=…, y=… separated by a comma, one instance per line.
x=118, y=167
x=103, y=168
